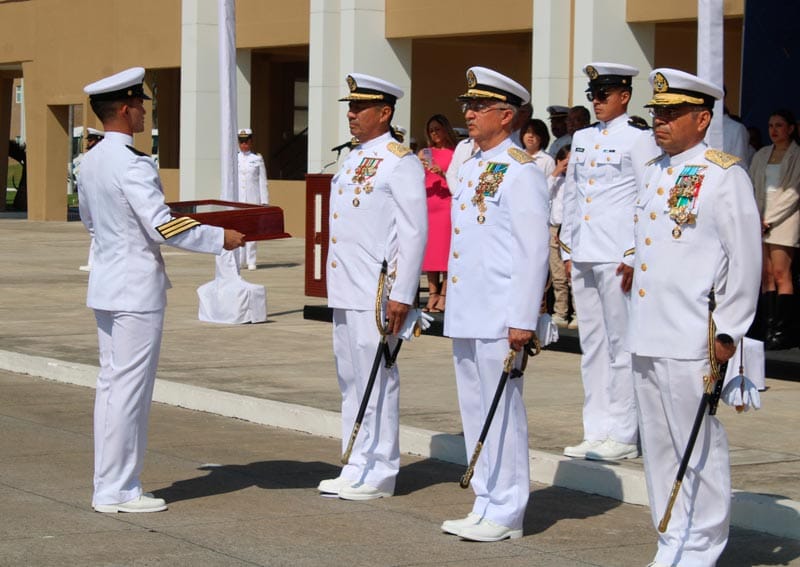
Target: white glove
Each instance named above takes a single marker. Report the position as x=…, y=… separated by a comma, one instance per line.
x=546, y=330
x=741, y=393
x=415, y=317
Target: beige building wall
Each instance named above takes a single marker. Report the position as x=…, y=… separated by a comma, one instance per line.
x=54, y=45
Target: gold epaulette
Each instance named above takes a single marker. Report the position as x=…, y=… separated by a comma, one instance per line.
x=564, y=247
x=629, y=252
x=176, y=226
x=519, y=155
x=398, y=149
x=655, y=159
x=721, y=158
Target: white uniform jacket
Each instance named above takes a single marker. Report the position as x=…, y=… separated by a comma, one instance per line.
x=676, y=266
x=604, y=172
x=498, y=257
x=253, y=186
x=122, y=205
x=378, y=210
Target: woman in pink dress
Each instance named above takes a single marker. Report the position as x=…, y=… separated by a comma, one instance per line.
x=436, y=159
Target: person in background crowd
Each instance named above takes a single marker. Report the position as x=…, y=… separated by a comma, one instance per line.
x=578, y=118
x=436, y=159
x=122, y=206
x=697, y=236
x=605, y=167
x=558, y=274
x=253, y=187
x=378, y=216
x=534, y=137
x=497, y=272
x=558, y=126
x=775, y=172
x=735, y=137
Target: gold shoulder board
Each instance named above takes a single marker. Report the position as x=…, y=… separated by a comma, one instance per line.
x=519, y=155
x=655, y=159
x=721, y=158
x=398, y=149
x=175, y=226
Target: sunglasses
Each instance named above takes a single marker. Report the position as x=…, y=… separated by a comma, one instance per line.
x=599, y=94
x=670, y=113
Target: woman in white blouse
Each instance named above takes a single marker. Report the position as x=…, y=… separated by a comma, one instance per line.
x=775, y=171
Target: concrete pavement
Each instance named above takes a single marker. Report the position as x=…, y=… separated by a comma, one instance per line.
x=281, y=373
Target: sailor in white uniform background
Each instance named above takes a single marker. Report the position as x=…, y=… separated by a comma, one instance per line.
x=497, y=268
x=378, y=211
x=605, y=167
x=697, y=228
x=253, y=187
x=122, y=205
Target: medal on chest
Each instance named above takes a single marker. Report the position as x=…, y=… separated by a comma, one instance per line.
x=365, y=171
x=683, y=196
x=488, y=184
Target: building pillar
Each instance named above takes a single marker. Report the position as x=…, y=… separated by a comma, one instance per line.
x=551, y=61
x=244, y=58
x=602, y=34
x=200, y=124
x=348, y=36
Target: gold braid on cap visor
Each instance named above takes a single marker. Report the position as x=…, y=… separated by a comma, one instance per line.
x=478, y=93
x=363, y=96
x=667, y=99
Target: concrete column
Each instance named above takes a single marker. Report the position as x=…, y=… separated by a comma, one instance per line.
x=243, y=87
x=348, y=36
x=200, y=124
x=551, y=54
x=602, y=34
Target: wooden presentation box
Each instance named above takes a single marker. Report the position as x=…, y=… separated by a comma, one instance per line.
x=254, y=221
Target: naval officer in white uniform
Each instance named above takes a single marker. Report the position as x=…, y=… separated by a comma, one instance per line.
x=122, y=205
x=697, y=229
x=605, y=167
x=253, y=187
x=497, y=268
x=378, y=212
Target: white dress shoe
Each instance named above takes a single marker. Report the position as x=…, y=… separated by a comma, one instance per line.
x=145, y=503
x=455, y=526
x=611, y=450
x=362, y=492
x=579, y=451
x=487, y=530
x=333, y=485
x=251, y=267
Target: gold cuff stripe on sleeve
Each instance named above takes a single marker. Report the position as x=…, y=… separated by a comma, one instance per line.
x=176, y=226
x=629, y=252
x=564, y=247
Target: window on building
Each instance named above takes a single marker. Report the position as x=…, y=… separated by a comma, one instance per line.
x=300, y=106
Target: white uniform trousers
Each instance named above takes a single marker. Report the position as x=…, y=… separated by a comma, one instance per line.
x=668, y=394
x=609, y=407
x=502, y=475
x=375, y=459
x=247, y=254
x=129, y=344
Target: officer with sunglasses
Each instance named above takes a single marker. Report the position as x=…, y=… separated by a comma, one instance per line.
x=604, y=172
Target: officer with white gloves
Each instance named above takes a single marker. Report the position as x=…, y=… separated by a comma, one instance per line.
x=378, y=212
x=122, y=206
x=497, y=269
x=697, y=231
x=253, y=187
x=603, y=175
